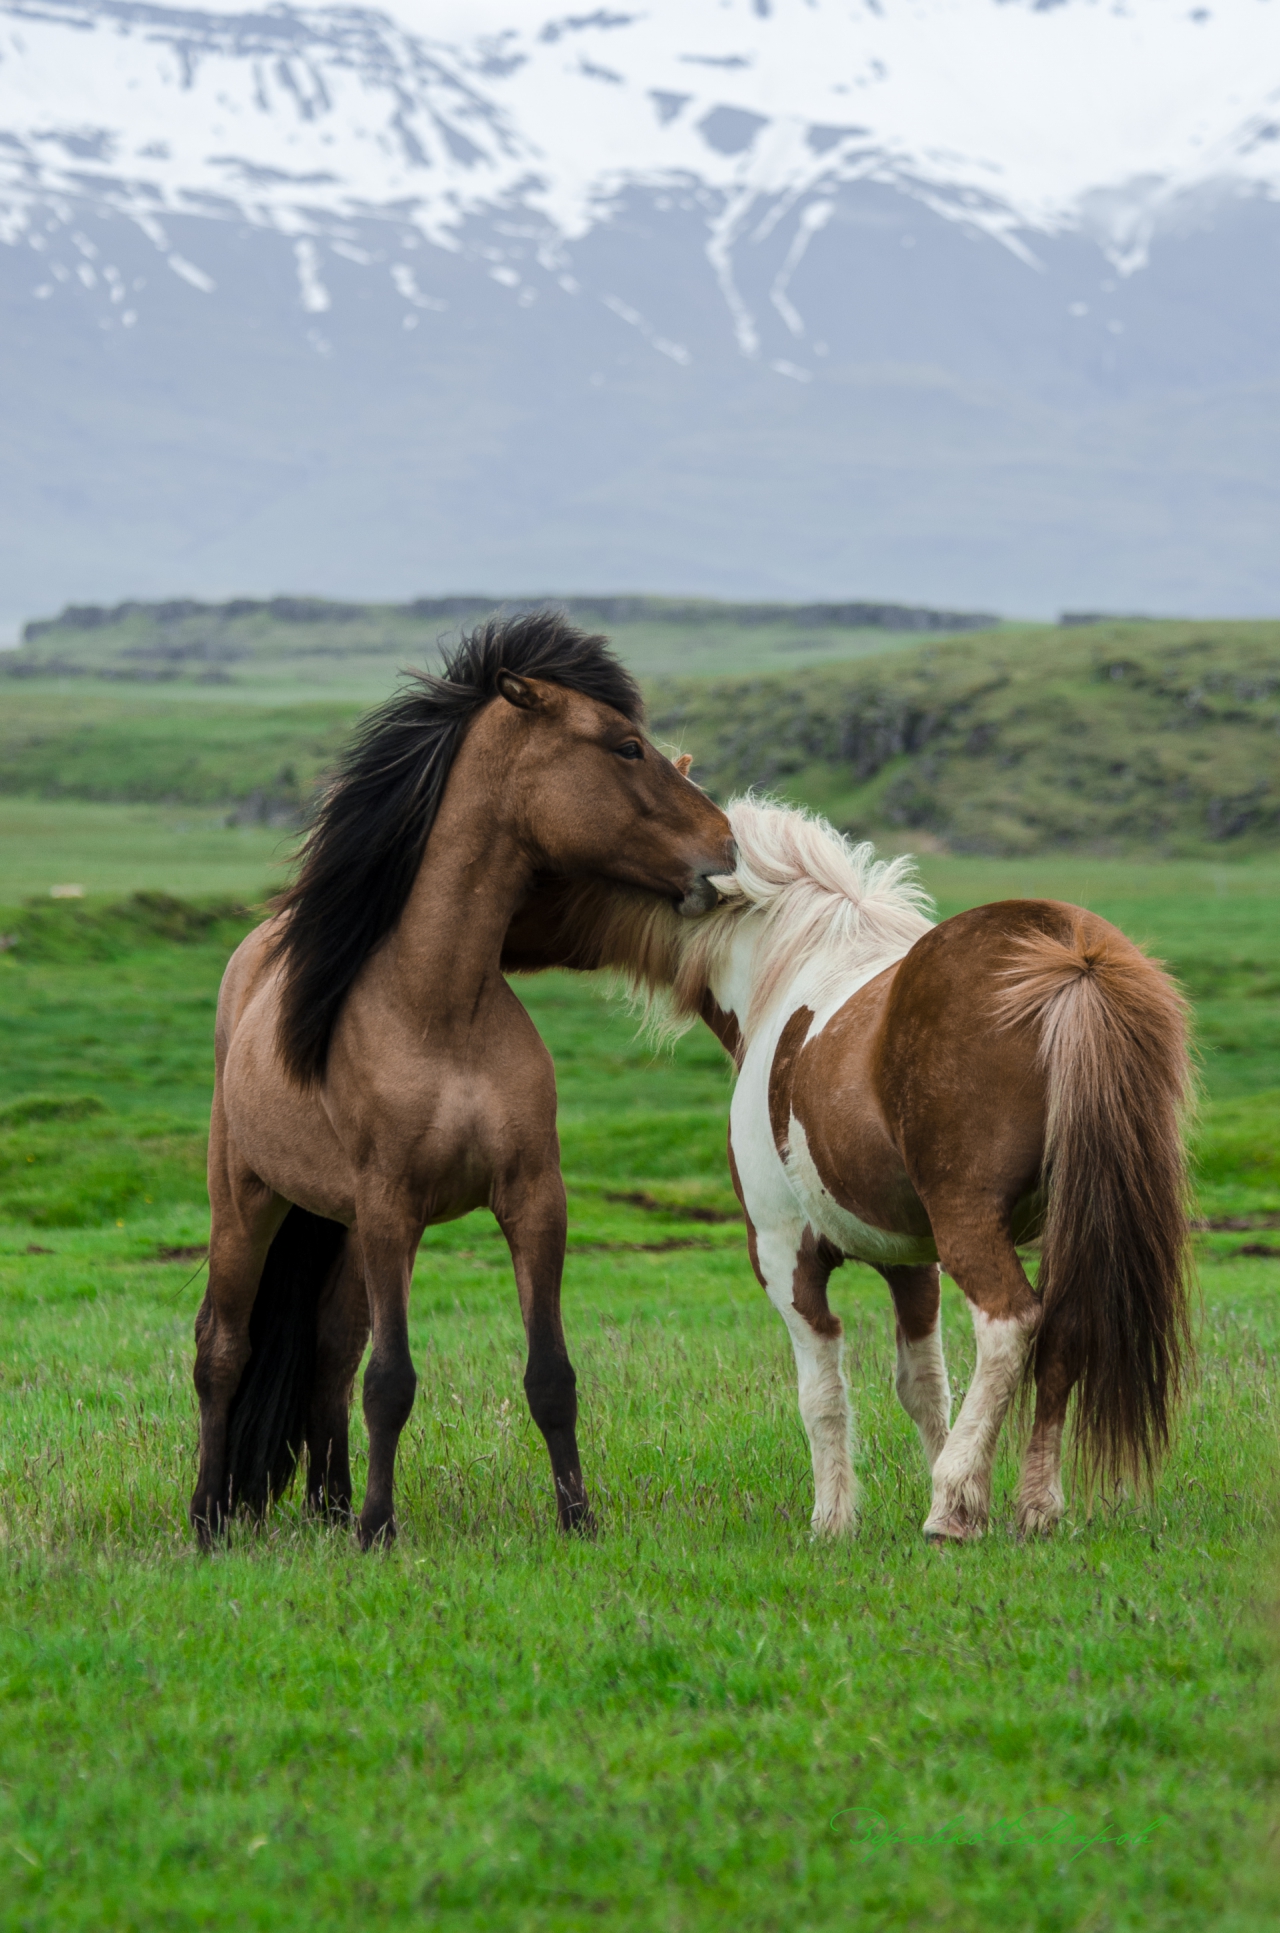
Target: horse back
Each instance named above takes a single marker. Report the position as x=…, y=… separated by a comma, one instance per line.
x=964, y=1089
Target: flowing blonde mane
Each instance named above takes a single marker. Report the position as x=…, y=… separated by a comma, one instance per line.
x=822, y=901
x=826, y=907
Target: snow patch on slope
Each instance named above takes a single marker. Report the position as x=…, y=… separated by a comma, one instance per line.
x=1015, y=117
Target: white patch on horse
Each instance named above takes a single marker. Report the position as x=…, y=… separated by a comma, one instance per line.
x=779, y=1225
x=853, y=1237
x=823, y=1392
x=962, y=1473
x=923, y=1389
x=768, y=1195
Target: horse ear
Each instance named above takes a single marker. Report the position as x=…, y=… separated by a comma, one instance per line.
x=518, y=691
x=683, y=763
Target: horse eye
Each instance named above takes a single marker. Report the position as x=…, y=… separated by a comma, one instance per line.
x=631, y=749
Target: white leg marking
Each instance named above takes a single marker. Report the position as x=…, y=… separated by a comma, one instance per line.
x=923, y=1389
x=962, y=1473
x=824, y=1394
x=1041, y=1504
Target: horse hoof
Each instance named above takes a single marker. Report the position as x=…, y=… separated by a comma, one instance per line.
x=379, y=1534
x=208, y=1521
x=579, y=1520
x=955, y=1529
x=831, y=1526
x=1038, y=1520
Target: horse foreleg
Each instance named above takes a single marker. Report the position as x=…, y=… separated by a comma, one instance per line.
x=246, y=1214
x=921, y=1379
x=342, y=1330
x=980, y=1255
x=388, y=1244
x=794, y=1266
x=534, y=1221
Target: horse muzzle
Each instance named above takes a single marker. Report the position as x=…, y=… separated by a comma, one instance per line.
x=711, y=889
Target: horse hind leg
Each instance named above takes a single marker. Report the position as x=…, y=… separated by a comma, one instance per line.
x=980, y=1255
x=342, y=1330
x=921, y=1377
x=794, y=1271
x=1041, y=1505
x=246, y=1215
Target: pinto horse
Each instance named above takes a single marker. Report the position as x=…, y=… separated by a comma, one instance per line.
x=375, y=1073
x=910, y=1094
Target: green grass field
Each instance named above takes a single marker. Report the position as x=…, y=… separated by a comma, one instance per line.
x=112, y=850
x=700, y=1721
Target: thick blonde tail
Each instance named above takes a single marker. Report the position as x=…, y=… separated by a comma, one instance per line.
x=1115, y=1265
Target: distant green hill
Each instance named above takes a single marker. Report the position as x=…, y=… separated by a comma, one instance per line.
x=1111, y=736
x=95, y=742
x=1116, y=736
x=359, y=647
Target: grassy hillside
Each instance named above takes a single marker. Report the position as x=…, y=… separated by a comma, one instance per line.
x=1117, y=737
x=1114, y=736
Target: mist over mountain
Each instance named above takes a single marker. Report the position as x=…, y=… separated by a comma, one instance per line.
x=967, y=302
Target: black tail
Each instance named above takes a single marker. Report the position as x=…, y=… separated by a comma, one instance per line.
x=267, y=1422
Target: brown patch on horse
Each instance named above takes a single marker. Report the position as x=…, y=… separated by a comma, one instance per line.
x=916, y=1296
x=814, y=1263
x=835, y=1096
x=964, y=1100
x=724, y=1026
x=816, y=1258
x=782, y=1075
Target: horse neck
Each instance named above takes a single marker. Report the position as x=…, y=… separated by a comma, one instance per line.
x=473, y=875
x=734, y=970
x=756, y=972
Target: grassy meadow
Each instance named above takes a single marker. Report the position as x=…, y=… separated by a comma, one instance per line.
x=700, y=1720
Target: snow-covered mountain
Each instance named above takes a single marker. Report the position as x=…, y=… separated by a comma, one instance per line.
x=963, y=299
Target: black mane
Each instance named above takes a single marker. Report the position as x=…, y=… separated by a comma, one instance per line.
x=367, y=839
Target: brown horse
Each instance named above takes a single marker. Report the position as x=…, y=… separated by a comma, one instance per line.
x=376, y=1074
x=909, y=1094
